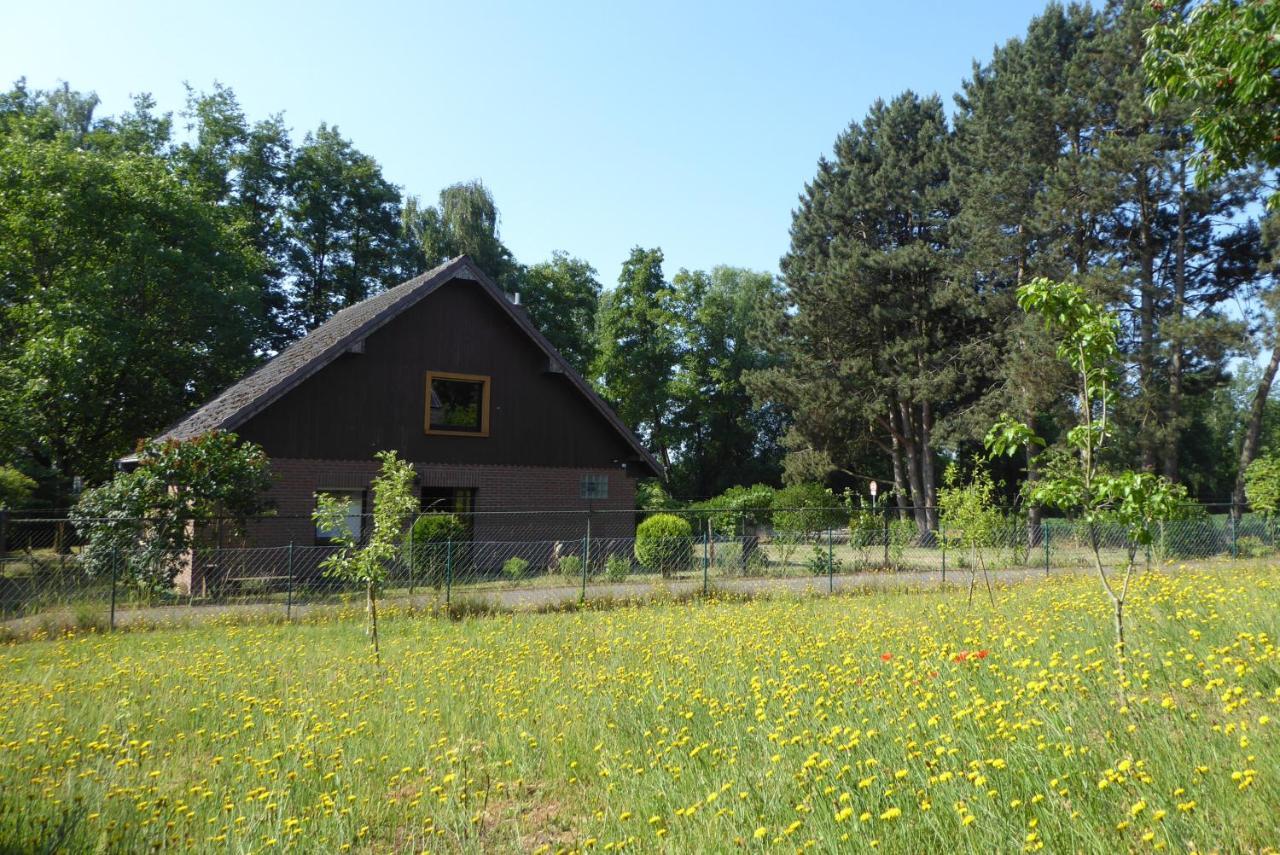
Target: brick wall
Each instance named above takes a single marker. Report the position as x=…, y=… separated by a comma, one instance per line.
x=511, y=502
x=531, y=511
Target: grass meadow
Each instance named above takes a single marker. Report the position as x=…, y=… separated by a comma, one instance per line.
x=904, y=722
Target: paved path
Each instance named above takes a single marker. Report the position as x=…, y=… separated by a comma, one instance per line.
x=517, y=599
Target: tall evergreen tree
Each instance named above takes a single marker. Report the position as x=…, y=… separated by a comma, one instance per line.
x=1011, y=129
x=1063, y=171
x=877, y=342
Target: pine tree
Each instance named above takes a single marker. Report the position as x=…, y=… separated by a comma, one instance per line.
x=878, y=342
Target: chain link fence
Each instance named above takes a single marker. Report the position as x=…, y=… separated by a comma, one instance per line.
x=51, y=575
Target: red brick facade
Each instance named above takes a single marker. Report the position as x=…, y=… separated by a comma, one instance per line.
x=511, y=502
x=528, y=508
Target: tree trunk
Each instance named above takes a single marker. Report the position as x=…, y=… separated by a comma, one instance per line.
x=927, y=473
x=1253, y=432
x=1146, y=325
x=899, y=468
x=1177, y=356
x=373, y=622
x=1035, y=514
x=911, y=445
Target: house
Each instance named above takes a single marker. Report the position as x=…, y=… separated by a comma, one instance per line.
x=450, y=373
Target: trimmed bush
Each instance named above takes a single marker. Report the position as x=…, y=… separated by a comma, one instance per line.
x=664, y=543
x=514, y=567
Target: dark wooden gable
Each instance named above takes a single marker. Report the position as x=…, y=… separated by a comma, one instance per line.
x=373, y=397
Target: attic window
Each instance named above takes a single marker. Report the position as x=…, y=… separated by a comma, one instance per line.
x=457, y=404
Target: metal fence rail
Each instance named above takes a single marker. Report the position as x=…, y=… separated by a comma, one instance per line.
x=51, y=571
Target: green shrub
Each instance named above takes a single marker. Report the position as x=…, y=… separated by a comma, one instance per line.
x=1262, y=484
x=651, y=496
x=740, y=508
x=866, y=530
x=514, y=567
x=729, y=558
x=15, y=488
x=571, y=567
x=802, y=510
x=902, y=533
x=1252, y=547
x=430, y=537
x=821, y=562
x=664, y=542
x=617, y=568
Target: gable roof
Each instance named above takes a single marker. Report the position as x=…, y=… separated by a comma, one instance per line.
x=241, y=401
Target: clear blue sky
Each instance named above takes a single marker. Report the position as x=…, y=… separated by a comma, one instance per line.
x=690, y=126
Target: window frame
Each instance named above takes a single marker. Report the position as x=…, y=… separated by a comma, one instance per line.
x=486, y=382
x=597, y=478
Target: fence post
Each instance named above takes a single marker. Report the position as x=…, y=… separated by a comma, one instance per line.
x=711, y=544
x=1044, y=525
x=886, y=535
x=831, y=564
x=706, y=557
x=115, y=569
x=4, y=532
x=412, y=557
x=288, y=603
x=448, y=571
x=586, y=544
x=942, y=539
x=1234, y=550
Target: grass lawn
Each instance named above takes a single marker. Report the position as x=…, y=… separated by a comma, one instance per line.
x=901, y=721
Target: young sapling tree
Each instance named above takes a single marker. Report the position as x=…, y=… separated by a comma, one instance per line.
x=1262, y=488
x=366, y=563
x=1075, y=478
x=971, y=520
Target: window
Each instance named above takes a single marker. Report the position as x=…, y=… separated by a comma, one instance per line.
x=353, y=526
x=448, y=500
x=457, y=404
x=451, y=500
x=595, y=486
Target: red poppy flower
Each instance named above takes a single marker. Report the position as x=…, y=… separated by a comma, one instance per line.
x=886, y=656
x=982, y=654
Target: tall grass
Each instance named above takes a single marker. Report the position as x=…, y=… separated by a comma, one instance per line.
x=904, y=721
